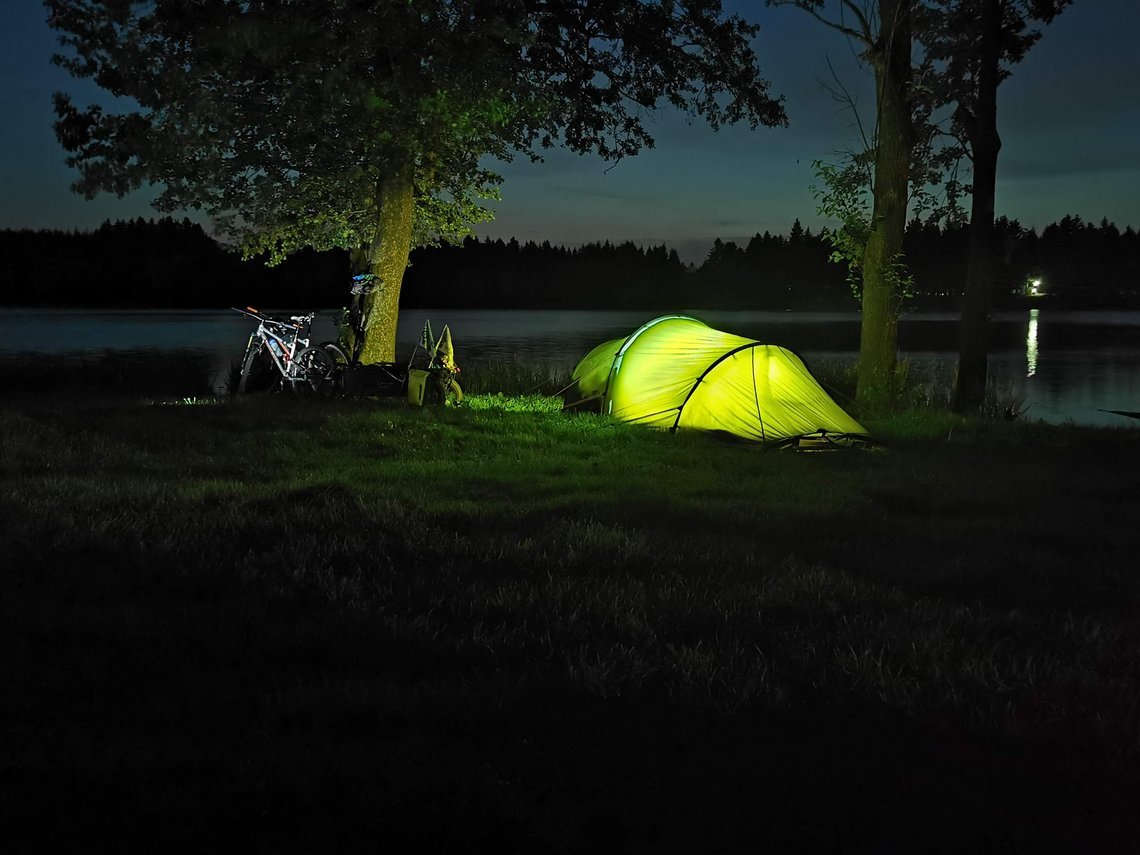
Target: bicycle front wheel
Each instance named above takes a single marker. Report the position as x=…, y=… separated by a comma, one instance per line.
x=251, y=352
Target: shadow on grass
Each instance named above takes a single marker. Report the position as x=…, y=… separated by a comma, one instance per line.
x=160, y=373
x=196, y=713
x=232, y=627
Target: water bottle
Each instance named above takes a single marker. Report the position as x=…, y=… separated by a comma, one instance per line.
x=276, y=348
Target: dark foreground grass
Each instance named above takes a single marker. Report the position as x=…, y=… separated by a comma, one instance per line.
x=116, y=372
x=362, y=627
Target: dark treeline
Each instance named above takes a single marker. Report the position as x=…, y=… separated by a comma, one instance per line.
x=155, y=264
x=172, y=264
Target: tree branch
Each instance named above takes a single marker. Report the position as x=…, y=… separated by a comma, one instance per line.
x=862, y=18
x=827, y=22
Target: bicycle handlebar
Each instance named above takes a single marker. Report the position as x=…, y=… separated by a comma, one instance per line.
x=298, y=320
x=250, y=311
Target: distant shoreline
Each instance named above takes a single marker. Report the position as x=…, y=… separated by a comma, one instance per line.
x=166, y=264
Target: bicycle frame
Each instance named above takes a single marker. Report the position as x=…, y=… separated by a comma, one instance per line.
x=280, y=340
x=287, y=343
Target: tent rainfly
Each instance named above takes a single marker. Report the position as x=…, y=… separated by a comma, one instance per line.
x=677, y=372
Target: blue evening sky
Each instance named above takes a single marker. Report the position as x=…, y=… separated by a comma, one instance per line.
x=1069, y=117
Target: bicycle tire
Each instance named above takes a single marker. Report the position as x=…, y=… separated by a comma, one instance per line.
x=317, y=371
x=336, y=352
x=246, y=367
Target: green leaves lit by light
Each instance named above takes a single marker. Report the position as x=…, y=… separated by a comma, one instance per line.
x=846, y=196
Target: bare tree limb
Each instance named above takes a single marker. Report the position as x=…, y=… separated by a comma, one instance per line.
x=827, y=22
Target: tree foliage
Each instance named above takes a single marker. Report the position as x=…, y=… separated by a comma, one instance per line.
x=369, y=124
x=842, y=196
x=950, y=32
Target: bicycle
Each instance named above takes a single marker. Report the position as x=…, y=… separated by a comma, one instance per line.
x=302, y=367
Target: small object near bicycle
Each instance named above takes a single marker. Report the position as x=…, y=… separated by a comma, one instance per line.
x=435, y=384
x=284, y=345
x=375, y=380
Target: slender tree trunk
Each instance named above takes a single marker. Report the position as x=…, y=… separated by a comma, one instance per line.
x=389, y=260
x=985, y=144
x=878, y=344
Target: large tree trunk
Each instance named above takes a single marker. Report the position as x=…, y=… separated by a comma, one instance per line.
x=985, y=144
x=389, y=260
x=878, y=344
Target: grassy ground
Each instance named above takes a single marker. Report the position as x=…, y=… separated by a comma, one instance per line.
x=359, y=626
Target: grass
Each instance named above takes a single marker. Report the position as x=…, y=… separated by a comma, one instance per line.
x=360, y=625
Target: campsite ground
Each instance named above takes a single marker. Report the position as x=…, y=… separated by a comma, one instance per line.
x=358, y=626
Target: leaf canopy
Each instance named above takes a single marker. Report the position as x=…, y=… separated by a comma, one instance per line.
x=282, y=118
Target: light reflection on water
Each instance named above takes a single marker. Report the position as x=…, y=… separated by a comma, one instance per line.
x=1031, y=345
x=1062, y=366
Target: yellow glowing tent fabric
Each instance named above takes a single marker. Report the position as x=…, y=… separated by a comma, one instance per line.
x=677, y=372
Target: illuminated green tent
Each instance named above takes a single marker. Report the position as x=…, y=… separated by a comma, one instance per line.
x=677, y=372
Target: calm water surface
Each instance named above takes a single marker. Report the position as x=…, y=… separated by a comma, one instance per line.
x=1064, y=366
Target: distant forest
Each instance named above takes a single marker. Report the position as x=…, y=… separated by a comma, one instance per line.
x=172, y=264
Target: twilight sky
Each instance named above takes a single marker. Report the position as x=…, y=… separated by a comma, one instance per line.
x=1069, y=118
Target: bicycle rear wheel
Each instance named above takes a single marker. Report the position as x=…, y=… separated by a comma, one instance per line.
x=317, y=370
x=336, y=352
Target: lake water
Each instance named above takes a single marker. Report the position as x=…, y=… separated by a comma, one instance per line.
x=1063, y=366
